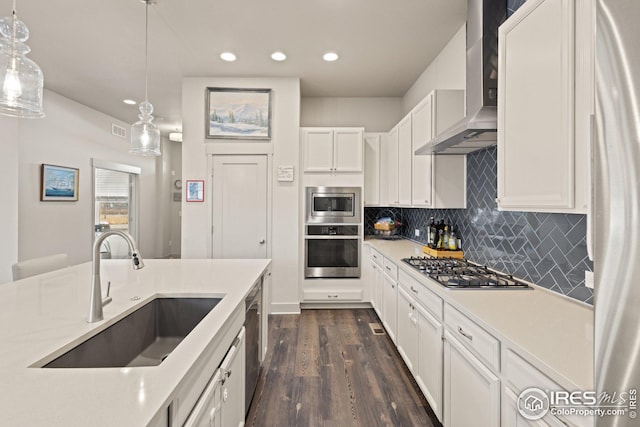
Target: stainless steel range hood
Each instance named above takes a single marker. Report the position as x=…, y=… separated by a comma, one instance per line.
x=478, y=129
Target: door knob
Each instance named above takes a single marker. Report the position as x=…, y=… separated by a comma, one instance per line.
x=262, y=242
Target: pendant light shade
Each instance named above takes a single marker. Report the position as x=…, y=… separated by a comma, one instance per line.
x=145, y=135
x=21, y=78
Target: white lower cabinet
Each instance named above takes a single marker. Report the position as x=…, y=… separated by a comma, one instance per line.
x=520, y=375
x=376, y=291
x=420, y=345
x=407, y=330
x=222, y=401
x=390, y=298
x=430, y=348
x=512, y=418
x=471, y=390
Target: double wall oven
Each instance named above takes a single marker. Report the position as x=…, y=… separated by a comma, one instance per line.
x=332, y=232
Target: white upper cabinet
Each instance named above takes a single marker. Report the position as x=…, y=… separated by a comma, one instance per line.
x=544, y=107
x=437, y=181
x=333, y=149
x=423, y=130
x=405, y=155
x=389, y=169
x=372, y=167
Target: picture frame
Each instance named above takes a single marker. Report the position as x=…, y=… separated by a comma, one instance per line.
x=59, y=183
x=232, y=113
x=195, y=190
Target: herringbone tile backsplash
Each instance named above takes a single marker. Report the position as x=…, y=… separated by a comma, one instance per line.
x=546, y=249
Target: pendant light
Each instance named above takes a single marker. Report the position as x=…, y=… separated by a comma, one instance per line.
x=145, y=135
x=21, y=78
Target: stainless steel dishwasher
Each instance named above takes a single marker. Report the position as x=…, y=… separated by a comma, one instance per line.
x=253, y=328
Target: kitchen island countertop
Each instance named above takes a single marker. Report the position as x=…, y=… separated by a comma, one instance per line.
x=553, y=332
x=43, y=314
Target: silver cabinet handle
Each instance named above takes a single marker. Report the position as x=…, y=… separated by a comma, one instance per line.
x=465, y=334
x=262, y=242
x=332, y=296
x=387, y=267
x=415, y=291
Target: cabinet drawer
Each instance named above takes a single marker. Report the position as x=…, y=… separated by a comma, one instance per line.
x=325, y=296
x=390, y=269
x=429, y=300
x=376, y=257
x=520, y=374
x=479, y=341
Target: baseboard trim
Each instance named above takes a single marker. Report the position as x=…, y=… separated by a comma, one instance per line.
x=334, y=305
x=285, y=308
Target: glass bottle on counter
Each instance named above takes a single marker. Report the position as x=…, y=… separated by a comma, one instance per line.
x=445, y=237
x=453, y=241
x=431, y=234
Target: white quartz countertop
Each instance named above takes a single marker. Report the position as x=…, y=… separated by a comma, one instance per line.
x=553, y=332
x=46, y=313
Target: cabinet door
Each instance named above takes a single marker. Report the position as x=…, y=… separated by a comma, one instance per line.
x=471, y=390
x=428, y=372
x=207, y=412
x=233, y=384
x=512, y=418
x=407, y=330
x=376, y=299
x=390, y=306
x=318, y=150
x=422, y=130
x=536, y=107
x=405, y=156
x=348, y=150
x=391, y=163
x=372, y=169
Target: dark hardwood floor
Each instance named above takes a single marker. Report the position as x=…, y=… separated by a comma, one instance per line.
x=328, y=368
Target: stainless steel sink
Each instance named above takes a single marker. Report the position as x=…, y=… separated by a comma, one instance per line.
x=143, y=338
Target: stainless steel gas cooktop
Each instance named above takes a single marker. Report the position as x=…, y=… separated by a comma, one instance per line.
x=462, y=274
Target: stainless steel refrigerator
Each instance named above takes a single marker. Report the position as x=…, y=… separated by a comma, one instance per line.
x=617, y=203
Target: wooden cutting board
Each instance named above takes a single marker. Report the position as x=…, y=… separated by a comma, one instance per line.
x=442, y=253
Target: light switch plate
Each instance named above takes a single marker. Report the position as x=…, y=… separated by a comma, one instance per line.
x=588, y=279
x=417, y=232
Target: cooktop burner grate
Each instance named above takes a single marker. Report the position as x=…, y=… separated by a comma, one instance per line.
x=462, y=274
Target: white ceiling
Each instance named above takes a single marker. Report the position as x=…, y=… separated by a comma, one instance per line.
x=93, y=51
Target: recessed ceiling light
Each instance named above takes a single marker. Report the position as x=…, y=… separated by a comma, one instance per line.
x=228, y=56
x=330, y=56
x=278, y=56
x=129, y=102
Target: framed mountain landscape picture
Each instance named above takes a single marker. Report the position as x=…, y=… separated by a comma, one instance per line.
x=238, y=113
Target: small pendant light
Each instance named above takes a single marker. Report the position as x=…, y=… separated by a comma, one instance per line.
x=21, y=78
x=145, y=135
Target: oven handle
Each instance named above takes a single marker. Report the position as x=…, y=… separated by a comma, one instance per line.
x=332, y=237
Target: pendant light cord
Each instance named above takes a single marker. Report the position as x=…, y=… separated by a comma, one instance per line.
x=146, y=50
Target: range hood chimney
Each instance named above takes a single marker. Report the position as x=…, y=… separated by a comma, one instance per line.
x=478, y=129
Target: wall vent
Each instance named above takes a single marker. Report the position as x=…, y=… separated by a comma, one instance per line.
x=118, y=131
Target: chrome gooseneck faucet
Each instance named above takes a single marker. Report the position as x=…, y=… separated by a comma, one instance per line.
x=96, y=302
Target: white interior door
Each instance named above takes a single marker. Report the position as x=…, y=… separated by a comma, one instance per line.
x=239, y=206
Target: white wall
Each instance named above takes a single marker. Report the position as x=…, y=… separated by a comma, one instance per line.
x=9, y=196
x=374, y=114
x=176, y=206
x=71, y=135
x=446, y=71
x=284, y=146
